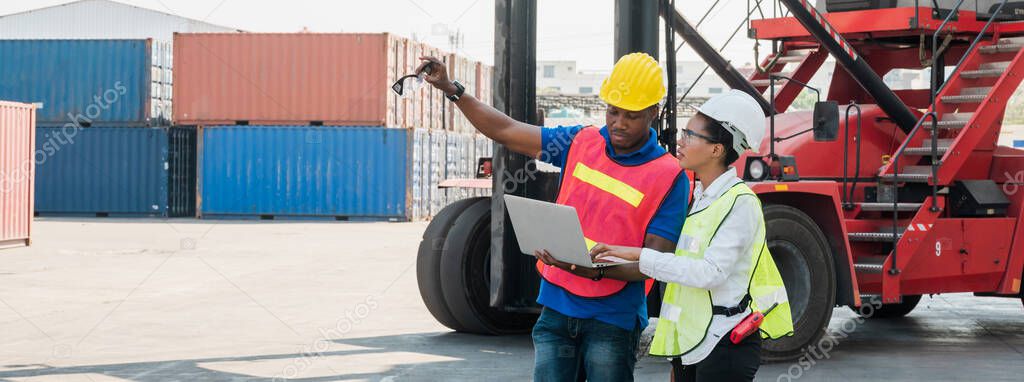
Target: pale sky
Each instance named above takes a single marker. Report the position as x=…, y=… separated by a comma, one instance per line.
x=579, y=30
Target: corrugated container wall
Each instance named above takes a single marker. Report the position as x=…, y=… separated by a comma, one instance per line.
x=439, y=104
x=464, y=71
x=290, y=79
x=108, y=171
x=438, y=170
x=97, y=82
x=420, y=167
x=99, y=19
x=484, y=149
x=17, y=172
x=485, y=74
x=306, y=171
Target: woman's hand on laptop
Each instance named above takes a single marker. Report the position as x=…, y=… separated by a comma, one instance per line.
x=546, y=258
x=614, y=253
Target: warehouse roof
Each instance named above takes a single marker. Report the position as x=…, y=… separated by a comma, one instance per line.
x=89, y=19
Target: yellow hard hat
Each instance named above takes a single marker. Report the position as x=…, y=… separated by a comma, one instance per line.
x=636, y=83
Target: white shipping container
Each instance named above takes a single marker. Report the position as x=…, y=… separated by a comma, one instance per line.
x=438, y=145
x=420, y=174
x=399, y=69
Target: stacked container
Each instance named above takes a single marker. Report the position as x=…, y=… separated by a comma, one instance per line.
x=288, y=79
x=484, y=83
x=112, y=83
x=341, y=172
x=438, y=170
x=17, y=173
x=464, y=71
x=116, y=171
x=104, y=145
x=162, y=82
x=306, y=125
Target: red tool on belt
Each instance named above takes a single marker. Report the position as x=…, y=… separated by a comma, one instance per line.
x=749, y=325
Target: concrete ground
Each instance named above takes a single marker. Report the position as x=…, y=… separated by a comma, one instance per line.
x=163, y=300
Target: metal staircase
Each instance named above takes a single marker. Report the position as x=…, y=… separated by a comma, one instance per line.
x=798, y=64
x=964, y=110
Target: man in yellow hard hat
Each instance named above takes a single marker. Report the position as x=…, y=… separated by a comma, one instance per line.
x=626, y=189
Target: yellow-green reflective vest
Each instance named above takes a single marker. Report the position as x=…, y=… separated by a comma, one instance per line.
x=675, y=338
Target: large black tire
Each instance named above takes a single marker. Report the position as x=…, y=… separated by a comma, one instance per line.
x=428, y=262
x=890, y=310
x=465, y=276
x=802, y=253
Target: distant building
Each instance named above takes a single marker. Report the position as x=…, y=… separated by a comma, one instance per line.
x=561, y=77
x=100, y=19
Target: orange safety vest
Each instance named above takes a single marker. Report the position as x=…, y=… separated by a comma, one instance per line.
x=615, y=204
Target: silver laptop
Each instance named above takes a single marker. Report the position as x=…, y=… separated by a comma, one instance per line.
x=554, y=227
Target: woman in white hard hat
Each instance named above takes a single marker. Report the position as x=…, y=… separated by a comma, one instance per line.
x=721, y=270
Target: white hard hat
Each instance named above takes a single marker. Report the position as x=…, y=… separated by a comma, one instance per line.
x=739, y=113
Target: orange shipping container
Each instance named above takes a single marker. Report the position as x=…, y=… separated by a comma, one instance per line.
x=464, y=70
x=299, y=78
x=484, y=76
x=17, y=172
x=438, y=103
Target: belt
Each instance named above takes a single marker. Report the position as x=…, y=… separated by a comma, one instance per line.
x=732, y=311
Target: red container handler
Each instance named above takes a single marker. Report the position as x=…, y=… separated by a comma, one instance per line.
x=17, y=173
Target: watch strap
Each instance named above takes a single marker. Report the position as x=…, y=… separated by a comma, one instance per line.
x=459, y=91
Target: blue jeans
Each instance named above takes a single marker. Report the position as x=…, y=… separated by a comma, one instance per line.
x=567, y=349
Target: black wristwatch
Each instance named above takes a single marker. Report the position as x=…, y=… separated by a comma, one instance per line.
x=600, y=275
x=459, y=89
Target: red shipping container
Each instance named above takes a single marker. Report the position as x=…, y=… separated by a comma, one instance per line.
x=288, y=78
x=17, y=173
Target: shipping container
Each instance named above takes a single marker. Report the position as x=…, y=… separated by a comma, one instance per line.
x=306, y=171
x=463, y=152
x=17, y=173
x=85, y=82
x=484, y=149
x=294, y=79
x=484, y=78
x=398, y=68
x=439, y=104
x=438, y=169
x=105, y=171
x=465, y=71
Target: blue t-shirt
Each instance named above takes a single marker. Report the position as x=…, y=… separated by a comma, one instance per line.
x=622, y=309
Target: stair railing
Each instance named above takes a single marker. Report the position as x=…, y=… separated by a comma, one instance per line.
x=896, y=189
x=848, y=203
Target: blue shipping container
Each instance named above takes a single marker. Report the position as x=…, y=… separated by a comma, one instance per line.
x=305, y=171
x=115, y=171
x=92, y=82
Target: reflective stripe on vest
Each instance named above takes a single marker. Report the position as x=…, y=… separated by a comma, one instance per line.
x=686, y=312
x=610, y=185
x=615, y=204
